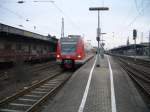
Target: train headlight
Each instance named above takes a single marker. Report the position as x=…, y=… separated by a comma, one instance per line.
x=79, y=56
x=58, y=56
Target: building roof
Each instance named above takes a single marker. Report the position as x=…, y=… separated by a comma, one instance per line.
x=28, y=34
x=125, y=47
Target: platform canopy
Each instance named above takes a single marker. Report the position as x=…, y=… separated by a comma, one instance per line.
x=127, y=47
x=16, y=31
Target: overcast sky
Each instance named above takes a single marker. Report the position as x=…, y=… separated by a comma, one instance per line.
x=123, y=16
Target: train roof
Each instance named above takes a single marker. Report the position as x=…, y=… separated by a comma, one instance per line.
x=16, y=31
x=68, y=39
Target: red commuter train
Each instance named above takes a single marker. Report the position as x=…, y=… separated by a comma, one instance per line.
x=71, y=51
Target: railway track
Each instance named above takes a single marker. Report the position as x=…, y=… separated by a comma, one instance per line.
x=145, y=63
x=31, y=98
x=138, y=73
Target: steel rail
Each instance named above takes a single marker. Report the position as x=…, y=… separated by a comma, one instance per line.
x=138, y=61
x=139, y=70
x=136, y=77
x=51, y=84
x=24, y=91
x=42, y=100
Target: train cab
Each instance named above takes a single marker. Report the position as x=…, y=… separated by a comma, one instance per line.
x=70, y=51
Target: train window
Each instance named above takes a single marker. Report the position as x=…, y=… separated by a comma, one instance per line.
x=8, y=46
x=68, y=48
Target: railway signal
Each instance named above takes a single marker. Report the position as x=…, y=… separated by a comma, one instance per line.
x=134, y=34
x=98, y=38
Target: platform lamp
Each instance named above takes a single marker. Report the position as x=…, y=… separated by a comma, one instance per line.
x=98, y=30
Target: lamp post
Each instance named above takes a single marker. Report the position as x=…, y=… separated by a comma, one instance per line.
x=149, y=45
x=98, y=30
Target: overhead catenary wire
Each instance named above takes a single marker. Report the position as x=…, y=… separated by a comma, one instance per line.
x=135, y=18
x=13, y=12
x=64, y=15
x=19, y=16
x=139, y=14
x=74, y=25
x=44, y=1
x=136, y=6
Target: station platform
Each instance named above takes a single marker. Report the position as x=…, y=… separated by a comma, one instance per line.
x=98, y=89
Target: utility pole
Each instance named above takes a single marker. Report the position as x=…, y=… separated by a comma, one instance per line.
x=62, y=28
x=98, y=30
x=128, y=42
x=141, y=37
x=134, y=38
x=102, y=45
x=149, y=44
x=142, y=43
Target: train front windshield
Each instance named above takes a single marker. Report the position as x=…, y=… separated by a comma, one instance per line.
x=68, y=48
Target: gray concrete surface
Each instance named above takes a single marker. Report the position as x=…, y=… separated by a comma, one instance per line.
x=127, y=96
x=69, y=98
x=99, y=97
